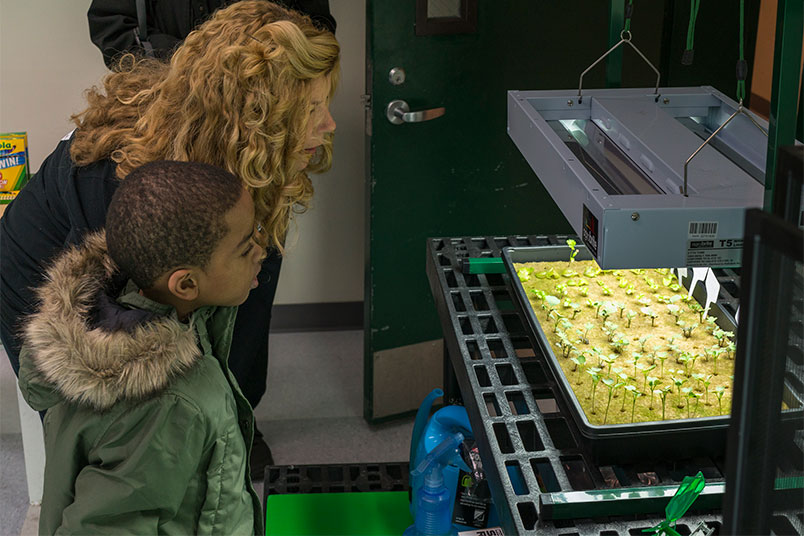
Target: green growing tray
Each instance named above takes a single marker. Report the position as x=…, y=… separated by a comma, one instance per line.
x=377, y=513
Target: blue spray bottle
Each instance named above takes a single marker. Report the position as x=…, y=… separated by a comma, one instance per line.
x=434, y=503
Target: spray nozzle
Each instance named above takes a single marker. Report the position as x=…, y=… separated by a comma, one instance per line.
x=442, y=455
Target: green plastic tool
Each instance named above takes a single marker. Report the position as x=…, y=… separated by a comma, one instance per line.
x=483, y=265
x=688, y=491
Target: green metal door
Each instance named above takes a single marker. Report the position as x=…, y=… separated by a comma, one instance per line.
x=459, y=174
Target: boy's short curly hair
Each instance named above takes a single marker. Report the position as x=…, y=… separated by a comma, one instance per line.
x=169, y=214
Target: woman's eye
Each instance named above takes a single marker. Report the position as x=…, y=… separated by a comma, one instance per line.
x=248, y=251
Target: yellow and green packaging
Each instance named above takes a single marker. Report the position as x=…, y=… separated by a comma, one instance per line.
x=13, y=164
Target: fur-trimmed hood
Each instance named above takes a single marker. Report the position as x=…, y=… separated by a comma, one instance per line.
x=91, y=349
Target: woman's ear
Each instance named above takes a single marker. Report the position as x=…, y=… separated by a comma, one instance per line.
x=183, y=284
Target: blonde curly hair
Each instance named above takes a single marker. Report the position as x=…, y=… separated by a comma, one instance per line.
x=236, y=94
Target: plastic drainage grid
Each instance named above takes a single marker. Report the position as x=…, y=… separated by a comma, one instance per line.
x=518, y=418
x=335, y=478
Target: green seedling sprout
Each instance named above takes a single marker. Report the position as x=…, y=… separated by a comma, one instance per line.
x=567, y=303
x=696, y=307
x=637, y=271
x=576, y=308
x=610, y=383
x=592, y=303
x=540, y=294
x=711, y=323
x=584, y=291
x=607, y=291
x=630, y=315
x=643, y=341
x=591, y=272
x=604, y=313
x=686, y=359
x=550, y=304
x=652, y=284
x=585, y=332
x=580, y=361
x=647, y=311
x=594, y=373
x=523, y=274
x=731, y=347
x=629, y=289
x=662, y=357
x=705, y=380
x=687, y=395
x=663, y=395
x=678, y=382
x=620, y=307
x=720, y=390
x=645, y=371
x=652, y=383
x=597, y=353
x=635, y=357
x=561, y=290
x=630, y=389
x=573, y=252
x=558, y=317
x=667, y=281
x=686, y=329
x=569, y=272
x=622, y=283
x=609, y=360
x=697, y=398
x=643, y=300
x=714, y=352
x=674, y=310
x=635, y=394
x=610, y=329
x=619, y=344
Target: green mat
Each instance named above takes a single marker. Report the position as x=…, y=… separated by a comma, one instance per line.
x=381, y=513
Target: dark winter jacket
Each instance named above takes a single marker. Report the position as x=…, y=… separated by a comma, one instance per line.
x=58, y=206
x=146, y=430
x=113, y=23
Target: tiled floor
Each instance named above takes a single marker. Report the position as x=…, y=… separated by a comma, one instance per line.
x=311, y=414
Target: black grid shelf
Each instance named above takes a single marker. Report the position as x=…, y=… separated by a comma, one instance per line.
x=335, y=478
x=520, y=419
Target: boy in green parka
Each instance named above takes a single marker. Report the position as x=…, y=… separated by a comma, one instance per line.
x=146, y=428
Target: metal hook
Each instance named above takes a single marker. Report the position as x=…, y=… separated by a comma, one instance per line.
x=625, y=37
x=739, y=110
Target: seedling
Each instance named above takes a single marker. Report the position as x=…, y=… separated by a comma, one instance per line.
x=674, y=310
x=645, y=371
x=686, y=329
x=678, y=382
x=524, y=274
x=585, y=332
x=629, y=289
x=663, y=395
x=573, y=252
x=622, y=283
x=594, y=373
x=647, y=311
x=609, y=360
x=584, y=291
x=711, y=323
x=720, y=390
x=705, y=380
x=662, y=357
x=591, y=272
x=643, y=341
x=652, y=284
x=697, y=397
x=731, y=347
x=610, y=329
x=643, y=301
x=630, y=389
x=714, y=352
x=722, y=336
x=619, y=344
x=652, y=383
x=540, y=294
x=637, y=271
x=635, y=394
x=630, y=315
x=561, y=290
x=696, y=307
x=569, y=272
x=550, y=304
x=635, y=357
x=610, y=383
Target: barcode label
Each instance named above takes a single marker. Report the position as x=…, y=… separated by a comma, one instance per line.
x=703, y=229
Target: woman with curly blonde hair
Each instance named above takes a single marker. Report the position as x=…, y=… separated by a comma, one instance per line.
x=247, y=91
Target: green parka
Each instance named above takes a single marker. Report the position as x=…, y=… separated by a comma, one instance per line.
x=146, y=430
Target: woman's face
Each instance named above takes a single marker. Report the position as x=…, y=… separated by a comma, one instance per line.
x=320, y=122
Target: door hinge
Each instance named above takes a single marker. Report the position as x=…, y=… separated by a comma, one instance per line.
x=366, y=100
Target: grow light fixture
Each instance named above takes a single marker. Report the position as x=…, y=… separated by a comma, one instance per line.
x=614, y=160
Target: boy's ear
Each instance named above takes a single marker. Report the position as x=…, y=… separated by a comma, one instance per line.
x=183, y=284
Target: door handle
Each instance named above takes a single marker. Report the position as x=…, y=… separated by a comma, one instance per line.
x=398, y=112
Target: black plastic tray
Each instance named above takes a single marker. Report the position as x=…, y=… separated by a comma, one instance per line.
x=615, y=443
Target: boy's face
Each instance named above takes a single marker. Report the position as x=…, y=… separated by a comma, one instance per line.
x=235, y=263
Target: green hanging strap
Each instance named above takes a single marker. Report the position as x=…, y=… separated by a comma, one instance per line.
x=742, y=65
x=686, y=58
x=629, y=9
x=688, y=491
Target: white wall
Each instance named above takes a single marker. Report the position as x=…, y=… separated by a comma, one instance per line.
x=47, y=61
